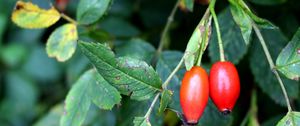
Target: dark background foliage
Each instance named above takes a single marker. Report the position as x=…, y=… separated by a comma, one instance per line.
x=33, y=86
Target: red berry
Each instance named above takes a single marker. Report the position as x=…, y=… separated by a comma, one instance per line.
x=224, y=86
x=194, y=93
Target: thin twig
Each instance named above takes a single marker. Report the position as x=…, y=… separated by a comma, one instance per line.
x=165, y=84
x=220, y=42
x=66, y=17
x=151, y=106
x=271, y=63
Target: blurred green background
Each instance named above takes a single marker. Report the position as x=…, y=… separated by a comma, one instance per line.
x=32, y=84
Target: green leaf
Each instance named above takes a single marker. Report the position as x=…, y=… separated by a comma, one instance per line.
x=211, y=114
x=129, y=76
x=166, y=97
x=288, y=61
x=90, y=87
x=198, y=41
x=52, y=117
x=141, y=121
x=234, y=45
x=28, y=15
x=291, y=119
x=262, y=23
x=136, y=48
x=167, y=61
x=62, y=42
x=77, y=102
x=243, y=21
x=90, y=11
x=268, y=2
x=260, y=68
x=119, y=27
x=187, y=5
x=102, y=93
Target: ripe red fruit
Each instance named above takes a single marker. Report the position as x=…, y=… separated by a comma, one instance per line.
x=194, y=93
x=224, y=86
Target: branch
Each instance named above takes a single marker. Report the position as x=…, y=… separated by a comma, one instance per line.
x=165, y=84
x=151, y=106
x=271, y=63
x=66, y=17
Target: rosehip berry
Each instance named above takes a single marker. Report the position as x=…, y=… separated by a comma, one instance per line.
x=194, y=93
x=224, y=86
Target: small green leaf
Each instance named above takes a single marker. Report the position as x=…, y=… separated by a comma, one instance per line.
x=243, y=21
x=28, y=15
x=288, y=61
x=62, y=42
x=90, y=11
x=268, y=2
x=198, y=41
x=102, y=93
x=165, y=100
x=141, y=121
x=52, y=117
x=234, y=45
x=167, y=61
x=77, y=102
x=291, y=119
x=135, y=48
x=187, y=5
x=129, y=76
x=260, y=68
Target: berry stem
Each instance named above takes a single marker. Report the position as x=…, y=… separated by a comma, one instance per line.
x=220, y=42
x=271, y=63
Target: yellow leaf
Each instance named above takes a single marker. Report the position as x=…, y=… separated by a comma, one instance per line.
x=62, y=42
x=28, y=15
